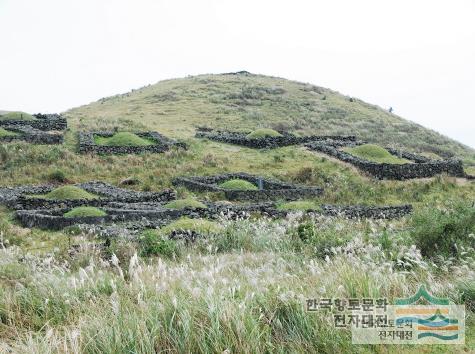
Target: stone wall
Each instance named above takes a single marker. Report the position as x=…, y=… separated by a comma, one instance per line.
x=271, y=189
x=44, y=122
x=17, y=198
x=31, y=135
x=421, y=168
x=286, y=139
x=88, y=145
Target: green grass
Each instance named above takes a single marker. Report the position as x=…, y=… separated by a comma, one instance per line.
x=84, y=211
x=185, y=203
x=67, y=193
x=375, y=153
x=470, y=170
x=201, y=226
x=300, y=205
x=17, y=116
x=238, y=184
x=263, y=133
x=123, y=139
x=4, y=133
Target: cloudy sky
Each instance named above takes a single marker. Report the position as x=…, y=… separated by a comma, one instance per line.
x=416, y=56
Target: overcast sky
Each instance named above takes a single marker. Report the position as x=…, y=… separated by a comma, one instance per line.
x=417, y=56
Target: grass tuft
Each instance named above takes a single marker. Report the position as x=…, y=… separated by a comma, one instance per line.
x=123, y=139
x=68, y=193
x=300, y=205
x=4, y=133
x=201, y=226
x=84, y=211
x=375, y=153
x=238, y=184
x=263, y=133
x=185, y=203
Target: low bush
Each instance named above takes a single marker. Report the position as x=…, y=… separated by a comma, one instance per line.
x=375, y=153
x=238, y=184
x=82, y=212
x=263, y=133
x=444, y=232
x=57, y=176
x=153, y=243
x=123, y=139
x=185, y=203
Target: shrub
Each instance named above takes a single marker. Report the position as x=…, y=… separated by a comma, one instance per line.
x=375, y=153
x=153, y=243
x=68, y=193
x=442, y=232
x=263, y=133
x=82, y=212
x=200, y=226
x=17, y=116
x=123, y=139
x=185, y=203
x=4, y=133
x=303, y=205
x=238, y=184
x=57, y=176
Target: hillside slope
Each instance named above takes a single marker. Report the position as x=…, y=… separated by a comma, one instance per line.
x=246, y=101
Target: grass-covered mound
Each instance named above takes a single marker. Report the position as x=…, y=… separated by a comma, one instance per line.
x=68, y=193
x=375, y=153
x=201, y=226
x=4, y=133
x=123, y=139
x=300, y=205
x=17, y=116
x=263, y=133
x=185, y=203
x=84, y=211
x=239, y=184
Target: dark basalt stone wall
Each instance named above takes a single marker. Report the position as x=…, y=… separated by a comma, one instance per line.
x=265, y=142
x=17, y=198
x=421, y=168
x=44, y=122
x=31, y=135
x=88, y=145
x=271, y=189
x=153, y=215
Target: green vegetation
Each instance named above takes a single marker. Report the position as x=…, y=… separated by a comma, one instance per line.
x=123, y=139
x=445, y=232
x=84, y=211
x=261, y=269
x=185, y=203
x=375, y=153
x=153, y=243
x=200, y=226
x=263, y=133
x=4, y=133
x=301, y=205
x=470, y=170
x=238, y=184
x=17, y=116
x=68, y=193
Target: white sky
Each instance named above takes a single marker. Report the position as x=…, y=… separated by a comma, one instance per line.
x=415, y=55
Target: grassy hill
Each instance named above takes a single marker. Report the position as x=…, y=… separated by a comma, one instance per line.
x=242, y=288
